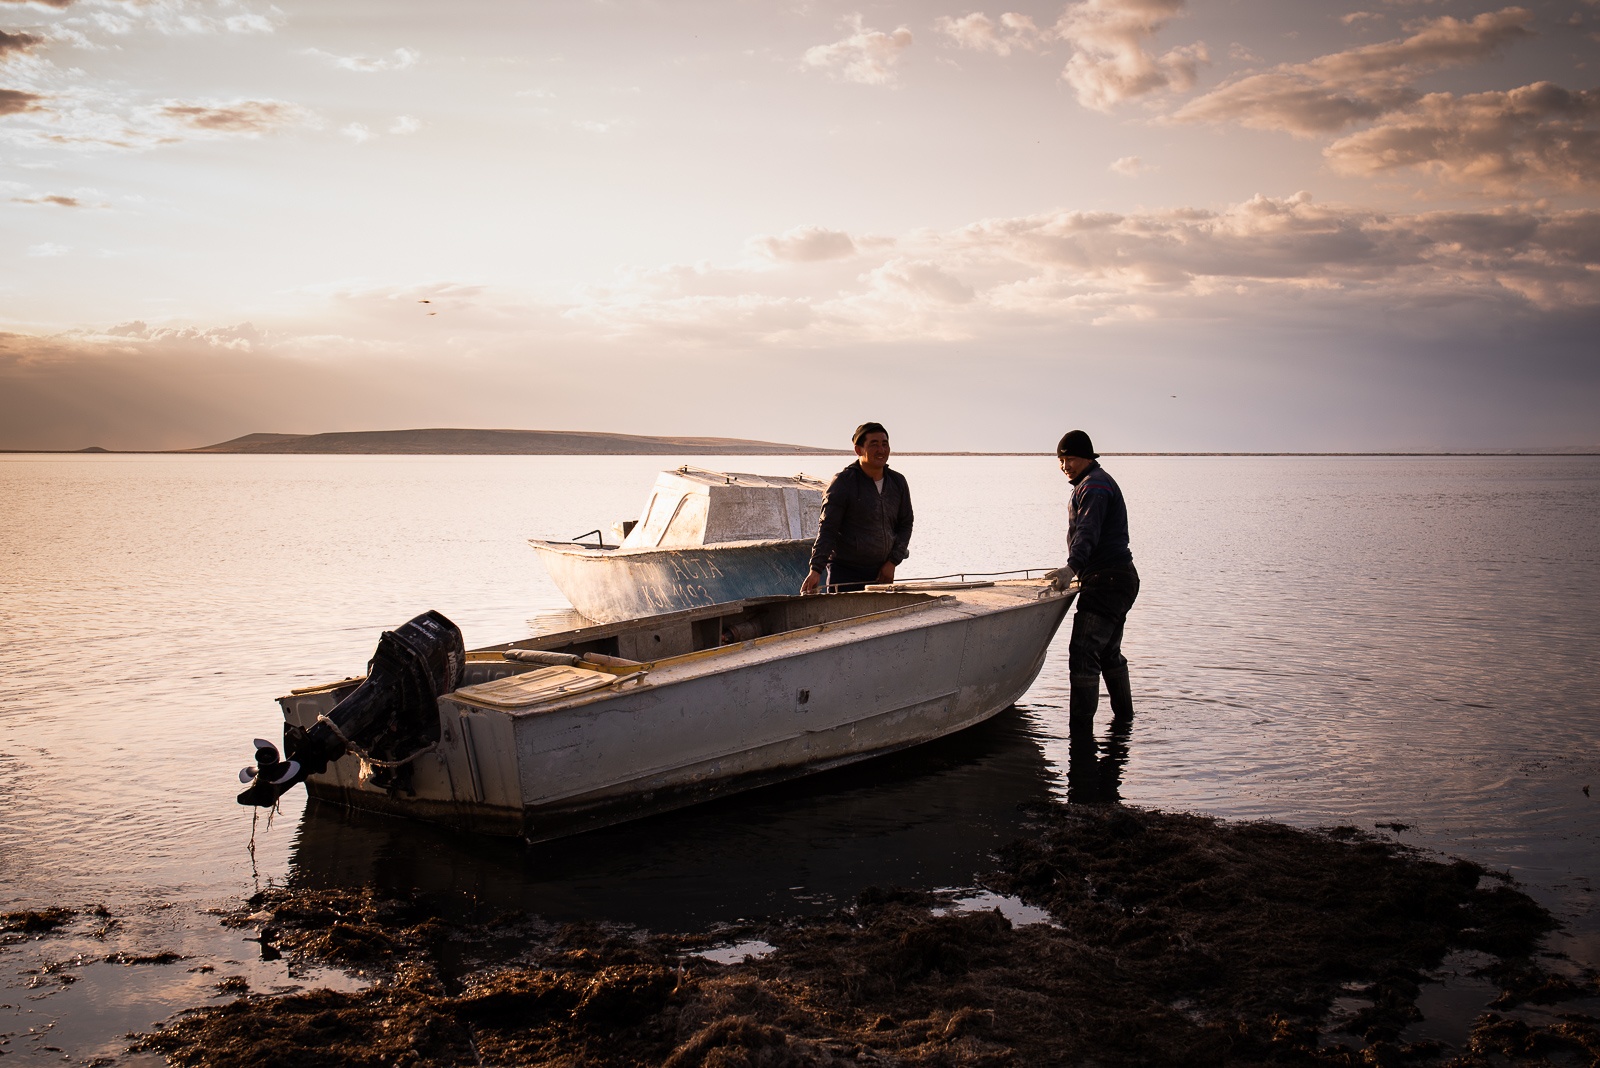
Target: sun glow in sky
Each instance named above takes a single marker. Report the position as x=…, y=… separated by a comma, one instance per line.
x=1179, y=224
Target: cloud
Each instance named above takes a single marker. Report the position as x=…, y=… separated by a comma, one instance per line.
x=242, y=337
x=52, y=198
x=980, y=33
x=58, y=4
x=1294, y=248
x=1110, y=63
x=399, y=59
x=868, y=57
x=404, y=124
x=249, y=118
x=806, y=244
x=1538, y=136
x=920, y=280
x=136, y=386
x=89, y=117
x=49, y=250
x=1283, y=258
x=47, y=105
x=17, y=43
x=170, y=18
x=1130, y=166
x=18, y=101
x=182, y=18
x=1336, y=90
x=250, y=23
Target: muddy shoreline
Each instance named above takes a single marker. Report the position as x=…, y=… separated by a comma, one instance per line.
x=1174, y=939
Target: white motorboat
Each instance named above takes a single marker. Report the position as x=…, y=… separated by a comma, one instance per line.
x=704, y=537
x=564, y=732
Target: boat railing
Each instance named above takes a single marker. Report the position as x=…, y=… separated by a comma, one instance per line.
x=967, y=576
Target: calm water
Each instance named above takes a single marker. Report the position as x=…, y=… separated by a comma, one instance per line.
x=1319, y=641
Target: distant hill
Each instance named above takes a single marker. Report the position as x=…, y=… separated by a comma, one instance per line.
x=501, y=443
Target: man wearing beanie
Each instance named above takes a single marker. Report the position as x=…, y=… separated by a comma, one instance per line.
x=1098, y=555
x=865, y=526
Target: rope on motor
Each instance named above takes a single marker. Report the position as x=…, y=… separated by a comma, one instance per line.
x=368, y=758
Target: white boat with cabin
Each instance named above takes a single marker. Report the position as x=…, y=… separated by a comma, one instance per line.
x=703, y=538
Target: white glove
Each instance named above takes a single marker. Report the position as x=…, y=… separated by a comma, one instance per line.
x=1061, y=578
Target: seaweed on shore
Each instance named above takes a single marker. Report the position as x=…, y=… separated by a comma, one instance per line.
x=1178, y=940
x=36, y=921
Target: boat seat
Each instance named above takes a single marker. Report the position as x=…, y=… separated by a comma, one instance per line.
x=538, y=687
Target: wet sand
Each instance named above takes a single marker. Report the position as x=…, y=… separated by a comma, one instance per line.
x=1173, y=939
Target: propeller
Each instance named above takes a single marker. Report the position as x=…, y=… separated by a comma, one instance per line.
x=270, y=769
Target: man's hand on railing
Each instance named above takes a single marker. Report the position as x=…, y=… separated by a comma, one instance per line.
x=1061, y=578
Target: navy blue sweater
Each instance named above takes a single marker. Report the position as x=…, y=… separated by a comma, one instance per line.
x=860, y=526
x=1097, y=529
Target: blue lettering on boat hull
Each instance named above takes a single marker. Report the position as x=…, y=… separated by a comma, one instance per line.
x=610, y=584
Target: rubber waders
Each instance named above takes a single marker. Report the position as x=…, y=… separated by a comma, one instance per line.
x=1121, y=694
x=1085, y=697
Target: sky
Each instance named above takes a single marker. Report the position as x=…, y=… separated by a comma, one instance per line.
x=1181, y=225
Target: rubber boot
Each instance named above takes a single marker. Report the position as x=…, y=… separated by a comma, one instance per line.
x=1085, y=698
x=1121, y=694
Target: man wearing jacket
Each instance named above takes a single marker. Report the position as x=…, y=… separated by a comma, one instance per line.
x=865, y=526
x=1098, y=555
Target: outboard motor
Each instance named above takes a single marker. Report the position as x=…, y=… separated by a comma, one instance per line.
x=390, y=717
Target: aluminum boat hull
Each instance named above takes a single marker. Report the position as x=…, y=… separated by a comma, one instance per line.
x=834, y=680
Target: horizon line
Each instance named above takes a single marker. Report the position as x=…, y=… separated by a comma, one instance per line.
x=99, y=451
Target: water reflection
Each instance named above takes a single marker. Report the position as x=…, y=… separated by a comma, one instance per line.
x=1094, y=768
x=931, y=816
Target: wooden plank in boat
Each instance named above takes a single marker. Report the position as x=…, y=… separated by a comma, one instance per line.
x=535, y=687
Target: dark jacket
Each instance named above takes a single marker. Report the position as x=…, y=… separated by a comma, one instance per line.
x=861, y=527
x=1097, y=529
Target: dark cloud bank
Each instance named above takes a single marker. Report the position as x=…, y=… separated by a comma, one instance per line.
x=1389, y=383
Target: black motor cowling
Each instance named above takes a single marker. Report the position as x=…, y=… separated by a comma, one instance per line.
x=389, y=718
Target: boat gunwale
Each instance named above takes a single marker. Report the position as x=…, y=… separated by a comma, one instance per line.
x=584, y=551
x=653, y=668
x=642, y=681
x=690, y=615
